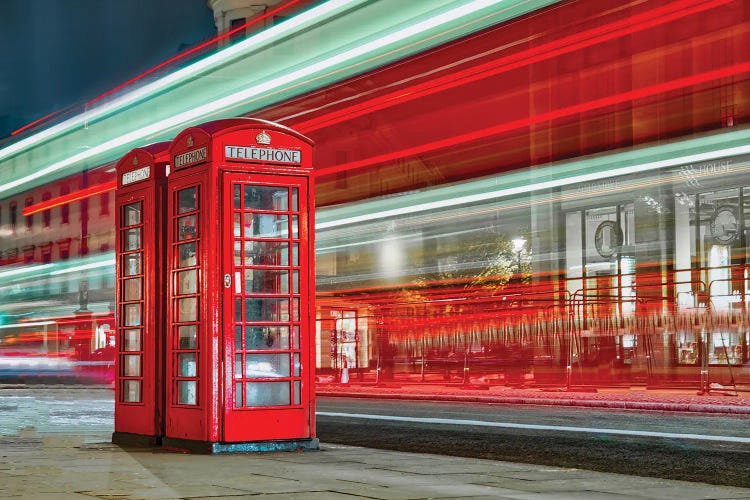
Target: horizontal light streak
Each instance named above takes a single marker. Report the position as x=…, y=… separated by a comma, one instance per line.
x=85, y=267
x=285, y=28
x=32, y=323
x=520, y=59
x=70, y=198
x=23, y=270
x=527, y=188
x=263, y=89
x=539, y=427
x=536, y=119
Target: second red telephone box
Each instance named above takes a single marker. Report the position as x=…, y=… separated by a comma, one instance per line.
x=240, y=349
x=140, y=248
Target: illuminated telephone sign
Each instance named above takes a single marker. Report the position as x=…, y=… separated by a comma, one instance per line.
x=140, y=248
x=240, y=312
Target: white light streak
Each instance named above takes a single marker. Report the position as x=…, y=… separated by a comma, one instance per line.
x=565, y=428
x=527, y=188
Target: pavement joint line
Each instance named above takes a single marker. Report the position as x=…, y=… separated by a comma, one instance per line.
x=511, y=425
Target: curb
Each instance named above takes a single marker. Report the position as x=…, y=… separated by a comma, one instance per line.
x=587, y=403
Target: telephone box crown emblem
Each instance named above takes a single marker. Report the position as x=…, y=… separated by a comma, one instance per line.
x=263, y=138
x=135, y=160
x=189, y=141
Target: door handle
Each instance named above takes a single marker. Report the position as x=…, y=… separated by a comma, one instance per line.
x=227, y=280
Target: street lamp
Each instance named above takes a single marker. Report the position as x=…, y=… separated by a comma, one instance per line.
x=518, y=244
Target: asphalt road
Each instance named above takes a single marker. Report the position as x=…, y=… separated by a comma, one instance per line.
x=693, y=447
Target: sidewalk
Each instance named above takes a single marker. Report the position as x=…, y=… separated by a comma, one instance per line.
x=67, y=466
x=717, y=401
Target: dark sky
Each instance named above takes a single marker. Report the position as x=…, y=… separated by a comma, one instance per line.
x=54, y=53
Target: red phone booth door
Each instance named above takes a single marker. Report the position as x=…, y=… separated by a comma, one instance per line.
x=266, y=324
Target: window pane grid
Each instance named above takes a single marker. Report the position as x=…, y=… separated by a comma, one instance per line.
x=131, y=309
x=185, y=284
x=266, y=371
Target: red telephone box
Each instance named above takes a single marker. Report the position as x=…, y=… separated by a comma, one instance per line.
x=241, y=325
x=140, y=246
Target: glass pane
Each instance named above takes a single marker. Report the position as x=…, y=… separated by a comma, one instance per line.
x=186, y=252
x=295, y=282
x=294, y=200
x=267, y=309
x=131, y=391
x=186, y=337
x=186, y=364
x=186, y=200
x=186, y=227
x=295, y=226
x=237, y=226
x=187, y=282
x=266, y=225
x=295, y=254
x=267, y=394
x=295, y=337
x=132, y=289
x=237, y=196
x=132, y=214
x=131, y=365
x=295, y=309
x=187, y=309
x=132, y=239
x=237, y=253
x=266, y=253
x=297, y=392
x=186, y=392
x=297, y=366
x=132, y=264
x=238, y=395
x=266, y=281
x=132, y=314
x=260, y=338
x=131, y=340
x=267, y=365
x=266, y=197
x=238, y=366
x=237, y=310
x=237, y=338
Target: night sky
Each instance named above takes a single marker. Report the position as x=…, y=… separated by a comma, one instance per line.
x=55, y=53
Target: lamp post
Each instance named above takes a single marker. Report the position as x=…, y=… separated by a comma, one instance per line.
x=518, y=244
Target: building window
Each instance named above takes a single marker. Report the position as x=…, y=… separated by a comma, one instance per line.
x=46, y=253
x=29, y=218
x=28, y=254
x=13, y=208
x=65, y=209
x=104, y=204
x=46, y=215
x=235, y=24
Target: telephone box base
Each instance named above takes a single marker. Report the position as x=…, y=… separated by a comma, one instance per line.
x=135, y=440
x=208, y=447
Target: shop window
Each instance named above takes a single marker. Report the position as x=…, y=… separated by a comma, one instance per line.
x=47, y=214
x=13, y=214
x=29, y=218
x=687, y=348
x=727, y=348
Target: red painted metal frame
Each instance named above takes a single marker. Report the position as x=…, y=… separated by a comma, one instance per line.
x=213, y=419
x=145, y=416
